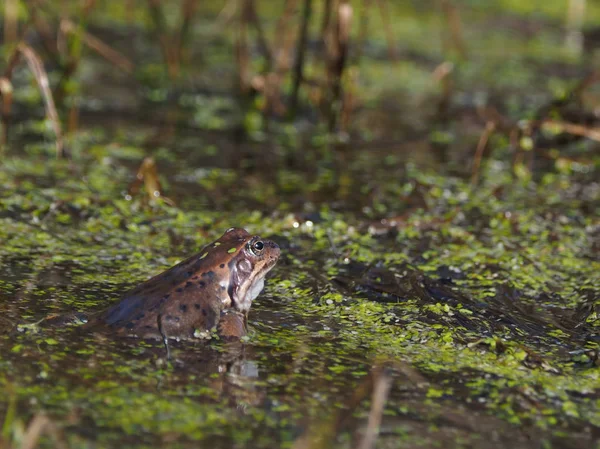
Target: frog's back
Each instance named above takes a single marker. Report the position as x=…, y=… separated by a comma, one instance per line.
x=182, y=305
x=188, y=296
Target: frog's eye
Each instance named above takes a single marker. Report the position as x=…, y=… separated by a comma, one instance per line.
x=257, y=247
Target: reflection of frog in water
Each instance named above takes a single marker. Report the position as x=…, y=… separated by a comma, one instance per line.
x=214, y=288
x=230, y=370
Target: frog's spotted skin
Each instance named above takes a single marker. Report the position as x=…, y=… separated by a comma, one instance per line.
x=191, y=296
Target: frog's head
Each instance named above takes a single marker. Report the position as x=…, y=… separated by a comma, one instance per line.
x=250, y=258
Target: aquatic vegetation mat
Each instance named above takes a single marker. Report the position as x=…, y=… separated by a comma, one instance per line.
x=480, y=304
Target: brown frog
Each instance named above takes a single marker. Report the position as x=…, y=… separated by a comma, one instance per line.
x=214, y=288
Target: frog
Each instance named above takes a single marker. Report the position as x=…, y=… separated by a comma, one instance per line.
x=211, y=290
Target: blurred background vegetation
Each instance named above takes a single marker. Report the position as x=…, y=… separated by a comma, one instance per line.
x=435, y=80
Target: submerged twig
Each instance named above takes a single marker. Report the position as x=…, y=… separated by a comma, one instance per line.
x=377, y=384
x=381, y=390
x=321, y=435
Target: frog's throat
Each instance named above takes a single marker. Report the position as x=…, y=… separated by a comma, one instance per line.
x=245, y=284
x=241, y=295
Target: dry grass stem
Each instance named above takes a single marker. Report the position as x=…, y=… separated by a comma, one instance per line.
x=227, y=14
x=260, y=34
x=574, y=95
x=147, y=175
x=6, y=92
x=442, y=71
x=284, y=35
x=337, y=50
x=443, y=74
x=387, y=28
x=108, y=53
x=45, y=32
x=41, y=77
x=490, y=127
x=11, y=21
x=574, y=25
x=298, y=76
x=573, y=128
x=455, y=27
x=363, y=27
x=188, y=11
x=161, y=30
x=328, y=6
x=242, y=52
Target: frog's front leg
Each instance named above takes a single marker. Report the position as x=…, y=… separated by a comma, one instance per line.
x=232, y=325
